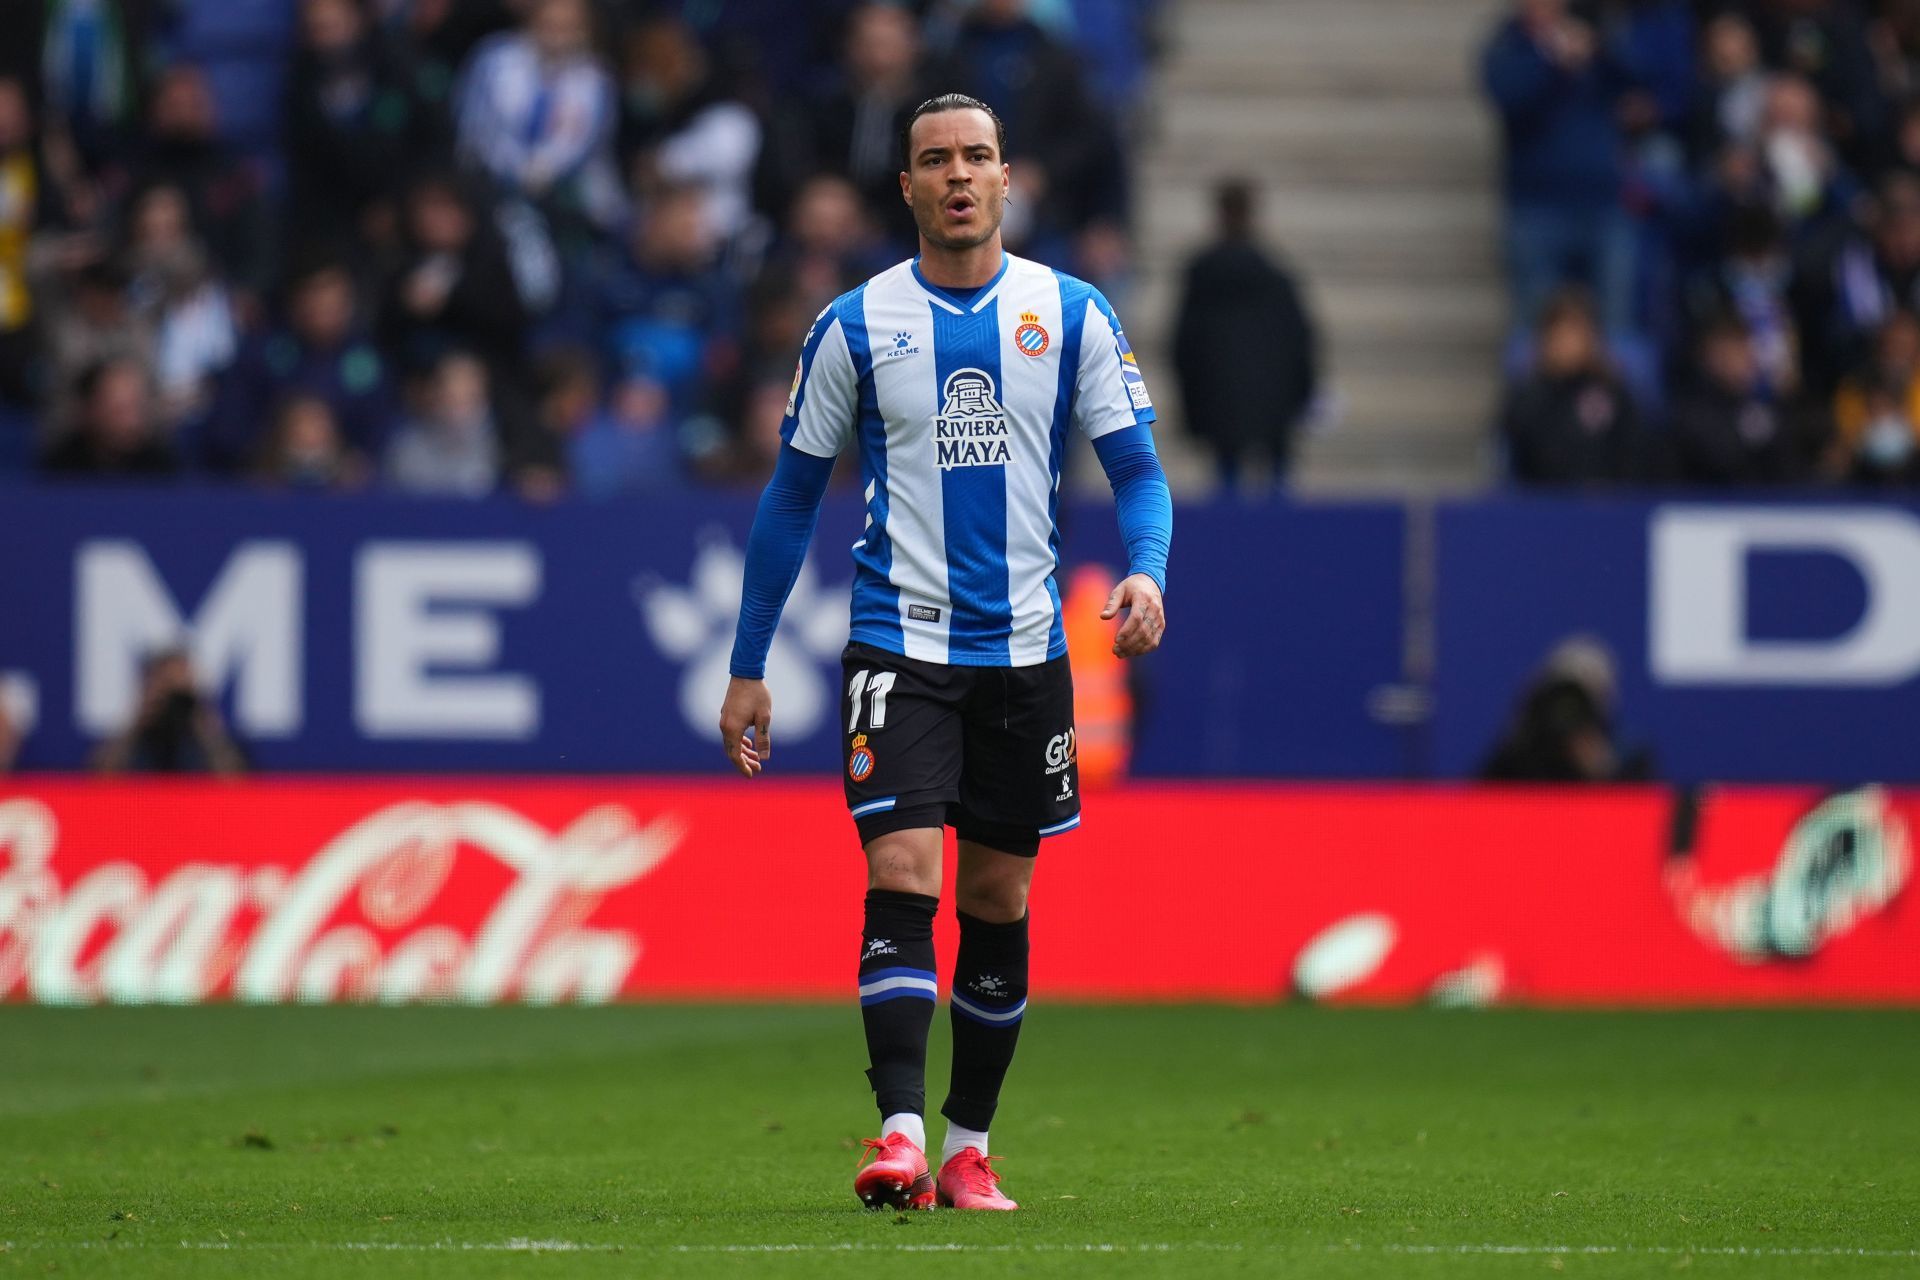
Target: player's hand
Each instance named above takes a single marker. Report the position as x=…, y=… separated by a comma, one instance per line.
x=1139, y=599
x=748, y=705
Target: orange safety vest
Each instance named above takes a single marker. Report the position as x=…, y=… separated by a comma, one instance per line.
x=1102, y=706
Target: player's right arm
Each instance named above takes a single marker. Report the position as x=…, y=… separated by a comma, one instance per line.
x=819, y=422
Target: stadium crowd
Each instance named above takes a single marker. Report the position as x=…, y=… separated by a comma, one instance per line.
x=460, y=246
x=1713, y=240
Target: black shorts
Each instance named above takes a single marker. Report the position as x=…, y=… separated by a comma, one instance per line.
x=988, y=751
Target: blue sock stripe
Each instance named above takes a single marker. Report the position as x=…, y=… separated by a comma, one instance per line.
x=1004, y=1018
x=898, y=993
x=925, y=975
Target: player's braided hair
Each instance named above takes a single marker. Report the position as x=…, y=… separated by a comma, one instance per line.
x=949, y=102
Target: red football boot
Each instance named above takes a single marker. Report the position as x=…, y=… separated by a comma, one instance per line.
x=898, y=1177
x=968, y=1182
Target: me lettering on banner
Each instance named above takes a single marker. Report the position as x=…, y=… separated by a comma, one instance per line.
x=426, y=634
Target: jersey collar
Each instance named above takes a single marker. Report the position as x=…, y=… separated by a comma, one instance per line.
x=942, y=298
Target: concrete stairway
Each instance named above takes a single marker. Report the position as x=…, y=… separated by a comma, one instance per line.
x=1363, y=121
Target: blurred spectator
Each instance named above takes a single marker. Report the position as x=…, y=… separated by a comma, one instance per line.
x=1562, y=731
x=855, y=125
x=449, y=447
x=1904, y=146
x=22, y=181
x=1558, y=89
x=777, y=319
x=745, y=459
x=115, y=434
x=1732, y=426
x=170, y=282
x=350, y=121
x=682, y=126
x=438, y=36
x=1656, y=43
x=1065, y=164
x=90, y=62
x=1894, y=39
x=454, y=287
x=1754, y=281
x=829, y=247
x=321, y=348
x=251, y=201
x=183, y=149
x=1791, y=165
x=1103, y=257
x=176, y=729
x=1570, y=419
x=627, y=447
x=536, y=113
x=1877, y=411
x=1733, y=97
x=669, y=311
x=305, y=449
x=1851, y=291
x=17, y=699
x=86, y=320
x=1244, y=346
x=1825, y=41
x=242, y=48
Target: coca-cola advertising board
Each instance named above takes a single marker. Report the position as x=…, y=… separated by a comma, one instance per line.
x=551, y=890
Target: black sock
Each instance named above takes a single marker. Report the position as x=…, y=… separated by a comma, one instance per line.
x=897, y=991
x=989, y=997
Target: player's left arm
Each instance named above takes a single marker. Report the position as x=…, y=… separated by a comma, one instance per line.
x=1114, y=409
x=817, y=426
x=1145, y=507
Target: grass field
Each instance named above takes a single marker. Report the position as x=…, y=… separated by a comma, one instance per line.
x=1160, y=1141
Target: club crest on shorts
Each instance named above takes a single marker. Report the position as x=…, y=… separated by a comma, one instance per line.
x=860, y=763
x=1030, y=337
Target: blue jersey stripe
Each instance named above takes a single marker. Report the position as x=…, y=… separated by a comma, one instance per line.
x=875, y=598
x=1073, y=325
x=975, y=497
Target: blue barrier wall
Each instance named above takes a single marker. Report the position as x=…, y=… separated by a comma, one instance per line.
x=1763, y=642
x=1775, y=642
x=374, y=634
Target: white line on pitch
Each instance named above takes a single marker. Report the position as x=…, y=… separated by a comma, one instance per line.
x=1730, y=1251
x=519, y=1245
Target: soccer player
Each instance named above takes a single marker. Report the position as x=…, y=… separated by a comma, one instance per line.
x=958, y=375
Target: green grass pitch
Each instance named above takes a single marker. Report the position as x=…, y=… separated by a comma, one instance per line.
x=1205, y=1141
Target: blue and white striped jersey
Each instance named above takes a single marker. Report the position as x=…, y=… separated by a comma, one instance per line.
x=960, y=403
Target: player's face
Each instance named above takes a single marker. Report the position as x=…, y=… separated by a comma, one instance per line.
x=957, y=182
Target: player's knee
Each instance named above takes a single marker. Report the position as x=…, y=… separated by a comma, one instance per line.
x=904, y=862
x=903, y=879
x=997, y=899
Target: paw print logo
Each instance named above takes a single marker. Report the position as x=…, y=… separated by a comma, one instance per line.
x=990, y=984
x=693, y=625
x=901, y=341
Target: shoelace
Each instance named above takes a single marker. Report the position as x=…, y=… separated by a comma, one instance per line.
x=980, y=1176
x=875, y=1149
